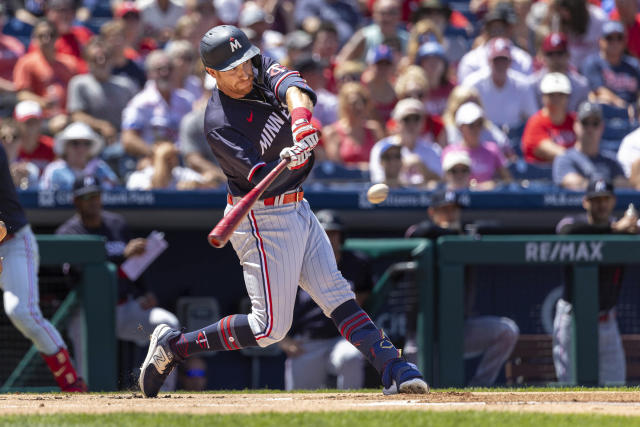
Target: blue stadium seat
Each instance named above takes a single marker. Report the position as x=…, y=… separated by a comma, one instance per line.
x=522, y=170
x=616, y=122
x=18, y=29
x=329, y=171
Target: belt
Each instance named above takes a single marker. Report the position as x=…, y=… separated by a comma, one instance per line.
x=282, y=199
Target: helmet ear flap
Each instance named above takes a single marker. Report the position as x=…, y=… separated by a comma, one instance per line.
x=256, y=61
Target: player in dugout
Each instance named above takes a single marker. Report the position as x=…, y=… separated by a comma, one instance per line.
x=259, y=115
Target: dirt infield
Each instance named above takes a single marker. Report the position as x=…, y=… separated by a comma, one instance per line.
x=597, y=402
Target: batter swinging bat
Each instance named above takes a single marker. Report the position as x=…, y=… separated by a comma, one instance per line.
x=219, y=236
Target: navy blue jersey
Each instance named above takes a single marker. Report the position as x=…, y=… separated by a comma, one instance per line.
x=248, y=134
x=10, y=210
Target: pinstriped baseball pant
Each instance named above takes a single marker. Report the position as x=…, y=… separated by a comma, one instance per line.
x=21, y=295
x=280, y=248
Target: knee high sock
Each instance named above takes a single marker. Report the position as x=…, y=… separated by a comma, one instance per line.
x=229, y=333
x=356, y=327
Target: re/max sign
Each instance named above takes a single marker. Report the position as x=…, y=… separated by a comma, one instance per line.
x=563, y=251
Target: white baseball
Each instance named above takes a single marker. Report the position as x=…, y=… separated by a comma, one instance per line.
x=378, y=193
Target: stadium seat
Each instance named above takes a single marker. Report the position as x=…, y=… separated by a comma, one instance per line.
x=18, y=29
x=617, y=123
x=329, y=171
x=522, y=170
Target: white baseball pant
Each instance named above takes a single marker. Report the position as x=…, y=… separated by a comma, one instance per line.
x=612, y=363
x=21, y=295
x=280, y=247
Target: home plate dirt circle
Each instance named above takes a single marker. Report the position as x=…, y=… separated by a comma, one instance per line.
x=595, y=402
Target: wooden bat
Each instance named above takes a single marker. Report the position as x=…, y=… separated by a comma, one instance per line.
x=219, y=236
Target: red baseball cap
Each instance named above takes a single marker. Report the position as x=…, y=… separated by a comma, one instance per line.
x=555, y=42
x=499, y=47
x=126, y=7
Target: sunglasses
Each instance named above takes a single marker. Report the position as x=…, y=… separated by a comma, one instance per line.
x=411, y=118
x=590, y=123
x=44, y=35
x=416, y=95
x=614, y=38
x=477, y=124
x=80, y=143
x=397, y=156
x=556, y=54
x=461, y=170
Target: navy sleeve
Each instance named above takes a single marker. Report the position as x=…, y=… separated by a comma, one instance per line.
x=279, y=78
x=242, y=160
x=592, y=70
x=562, y=165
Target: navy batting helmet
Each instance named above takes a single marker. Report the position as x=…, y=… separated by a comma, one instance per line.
x=225, y=47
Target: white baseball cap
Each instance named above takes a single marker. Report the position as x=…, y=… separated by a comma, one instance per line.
x=406, y=107
x=26, y=110
x=457, y=157
x=468, y=113
x=77, y=130
x=555, y=83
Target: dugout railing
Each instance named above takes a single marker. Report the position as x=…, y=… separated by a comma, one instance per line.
x=583, y=254
x=96, y=292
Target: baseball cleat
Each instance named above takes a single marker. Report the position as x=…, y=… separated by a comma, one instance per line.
x=406, y=375
x=159, y=362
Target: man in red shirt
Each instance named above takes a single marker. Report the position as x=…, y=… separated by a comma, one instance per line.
x=72, y=38
x=34, y=146
x=549, y=132
x=43, y=75
x=626, y=11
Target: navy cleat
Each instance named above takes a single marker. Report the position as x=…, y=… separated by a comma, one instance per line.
x=159, y=362
x=400, y=376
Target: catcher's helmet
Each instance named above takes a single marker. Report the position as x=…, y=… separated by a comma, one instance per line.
x=225, y=47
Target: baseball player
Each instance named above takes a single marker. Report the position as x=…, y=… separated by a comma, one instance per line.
x=19, y=283
x=599, y=202
x=258, y=109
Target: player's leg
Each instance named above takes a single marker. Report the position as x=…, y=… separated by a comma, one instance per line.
x=321, y=278
x=494, y=337
x=308, y=371
x=269, y=244
x=562, y=341
x=19, y=281
x=347, y=364
x=612, y=362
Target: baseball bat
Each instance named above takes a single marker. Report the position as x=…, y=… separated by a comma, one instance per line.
x=219, y=236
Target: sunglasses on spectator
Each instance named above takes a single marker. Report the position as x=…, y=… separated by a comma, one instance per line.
x=411, y=118
x=44, y=35
x=393, y=156
x=416, y=95
x=477, y=124
x=614, y=38
x=90, y=196
x=80, y=143
x=556, y=54
x=459, y=170
x=590, y=123
x=391, y=11
x=350, y=78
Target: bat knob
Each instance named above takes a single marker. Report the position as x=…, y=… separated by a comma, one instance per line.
x=215, y=241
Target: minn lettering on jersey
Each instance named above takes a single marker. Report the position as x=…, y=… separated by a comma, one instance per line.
x=271, y=128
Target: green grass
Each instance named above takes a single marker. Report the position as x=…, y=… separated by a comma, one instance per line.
x=343, y=419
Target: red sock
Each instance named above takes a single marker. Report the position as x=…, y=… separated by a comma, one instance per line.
x=63, y=371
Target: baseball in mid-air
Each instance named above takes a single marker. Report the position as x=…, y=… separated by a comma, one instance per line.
x=3, y=231
x=378, y=193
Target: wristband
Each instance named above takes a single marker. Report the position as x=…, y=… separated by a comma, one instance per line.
x=300, y=113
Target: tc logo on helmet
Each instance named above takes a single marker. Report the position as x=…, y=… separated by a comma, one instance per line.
x=234, y=44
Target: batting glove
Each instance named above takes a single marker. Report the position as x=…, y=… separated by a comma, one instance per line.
x=305, y=135
x=298, y=157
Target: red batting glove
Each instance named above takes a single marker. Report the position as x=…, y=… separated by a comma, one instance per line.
x=305, y=135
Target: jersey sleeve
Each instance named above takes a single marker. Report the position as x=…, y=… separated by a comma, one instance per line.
x=279, y=78
x=236, y=154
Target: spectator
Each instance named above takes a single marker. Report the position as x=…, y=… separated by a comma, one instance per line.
x=424, y=31
x=298, y=43
x=584, y=162
x=627, y=12
x=432, y=59
x=71, y=38
x=522, y=35
x=555, y=57
x=500, y=86
x=613, y=76
x=378, y=80
x=497, y=23
x=420, y=158
x=580, y=20
x=384, y=30
x=165, y=172
x=136, y=45
x=314, y=350
x=204, y=14
x=629, y=157
x=78, y=147
x=344, y=15
x=113, y=34
x=391, y=164
x=488, y=165
x=598, y=202
x=312, y=70
x=493, y=337
x=98, y=98
x=43, y=74
x=549, y=132
x=457, y=170
x=24, y=173
x=10, y=50
x=183, y=57
x=137, y=310
x=413, y=83
x=348, y=71
x=325, y=42
x=159, y=101
x=161, y=16
x=193, y=144
x=34, y=147
x=490, y=132
x=350, y=139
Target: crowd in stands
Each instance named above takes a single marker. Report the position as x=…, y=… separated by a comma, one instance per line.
x=415, y=93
